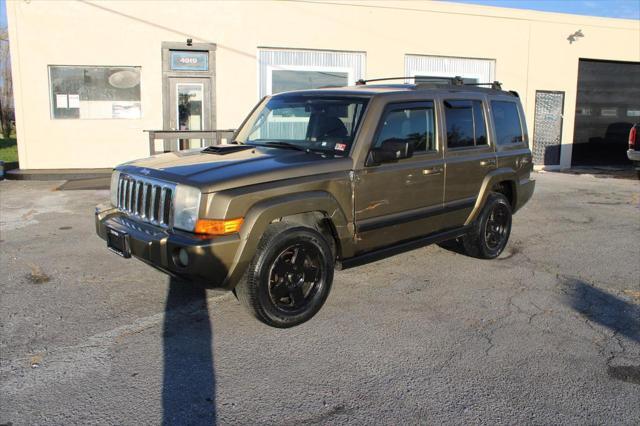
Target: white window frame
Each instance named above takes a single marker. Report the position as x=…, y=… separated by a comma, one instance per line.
x=270, y=68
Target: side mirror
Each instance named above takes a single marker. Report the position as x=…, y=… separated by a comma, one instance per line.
x=390, y=151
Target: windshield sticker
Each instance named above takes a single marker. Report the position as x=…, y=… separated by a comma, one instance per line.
x=340, y=146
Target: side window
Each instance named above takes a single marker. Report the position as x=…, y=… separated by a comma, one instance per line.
x=466, y=125
x=412, y=124
x=507, y=122
x=479, y=123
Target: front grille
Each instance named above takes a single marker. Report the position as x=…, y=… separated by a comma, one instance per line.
x=148, y=200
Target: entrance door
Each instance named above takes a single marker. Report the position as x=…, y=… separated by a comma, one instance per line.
x=190, y=107
x=547, y=130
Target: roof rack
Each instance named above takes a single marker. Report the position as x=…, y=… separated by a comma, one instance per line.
x=455, y=81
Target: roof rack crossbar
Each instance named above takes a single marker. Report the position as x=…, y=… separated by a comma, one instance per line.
x=363, y=82
x=496, y=85
x=454, y=81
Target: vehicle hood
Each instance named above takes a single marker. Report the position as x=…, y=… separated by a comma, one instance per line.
x=213, y=172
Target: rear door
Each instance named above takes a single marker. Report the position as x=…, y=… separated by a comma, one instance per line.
x=468, y=154
x=510, y=135
x=400, y=201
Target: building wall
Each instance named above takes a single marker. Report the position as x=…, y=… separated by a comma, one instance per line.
x=530, y=49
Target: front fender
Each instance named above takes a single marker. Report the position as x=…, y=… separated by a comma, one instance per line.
x=263, y=213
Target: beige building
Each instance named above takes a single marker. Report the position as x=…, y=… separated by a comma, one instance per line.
x=91, y=76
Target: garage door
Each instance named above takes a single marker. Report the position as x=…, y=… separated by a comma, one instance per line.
x=607, y=105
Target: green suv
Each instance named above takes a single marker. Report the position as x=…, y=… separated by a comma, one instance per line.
x=326, y=179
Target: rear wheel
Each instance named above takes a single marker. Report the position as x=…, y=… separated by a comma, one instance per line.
x=290, y=276
x=490, y=233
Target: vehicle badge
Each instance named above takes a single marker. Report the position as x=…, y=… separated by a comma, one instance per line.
x=145, y=172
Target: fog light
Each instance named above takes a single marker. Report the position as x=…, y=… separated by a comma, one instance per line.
x=183, y=258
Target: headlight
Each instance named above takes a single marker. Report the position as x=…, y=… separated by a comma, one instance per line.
x=115, y=179
x=185, y=207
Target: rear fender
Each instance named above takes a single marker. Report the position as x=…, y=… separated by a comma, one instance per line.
x=490, y=180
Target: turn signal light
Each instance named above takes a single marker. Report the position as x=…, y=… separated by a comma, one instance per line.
x=218, y=227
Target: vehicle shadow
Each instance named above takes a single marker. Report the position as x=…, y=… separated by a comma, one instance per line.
x=188, y=388
x=604, y=308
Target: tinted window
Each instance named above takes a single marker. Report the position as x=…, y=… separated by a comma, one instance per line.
x=480, y=125
x=465, y=123
x=507, y=122
x=415, y=125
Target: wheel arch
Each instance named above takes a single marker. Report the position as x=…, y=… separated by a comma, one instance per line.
x=501, y=180
x=317, y=209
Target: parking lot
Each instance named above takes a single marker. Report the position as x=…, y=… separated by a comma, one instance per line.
x=549, y=333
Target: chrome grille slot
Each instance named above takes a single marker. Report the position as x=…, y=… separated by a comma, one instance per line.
x=148, y=200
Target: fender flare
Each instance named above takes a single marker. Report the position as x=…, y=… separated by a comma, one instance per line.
x=263, y=213
x=493, y=177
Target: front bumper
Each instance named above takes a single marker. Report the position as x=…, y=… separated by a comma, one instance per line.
x=633, y=155
x=209, y=259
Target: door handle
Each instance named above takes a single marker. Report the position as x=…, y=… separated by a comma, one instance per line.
x=432, y=171
x=522, y=161
x=490, y=162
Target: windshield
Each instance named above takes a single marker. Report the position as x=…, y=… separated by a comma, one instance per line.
x=326, y=124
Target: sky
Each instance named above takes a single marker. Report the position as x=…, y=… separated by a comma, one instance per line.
x=3, y=14
x=629, y=9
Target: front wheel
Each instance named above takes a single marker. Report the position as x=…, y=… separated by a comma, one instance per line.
x=490, y=233
x=290, y=276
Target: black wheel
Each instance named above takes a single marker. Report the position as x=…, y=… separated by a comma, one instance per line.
x=490, y=232
x=290, y=276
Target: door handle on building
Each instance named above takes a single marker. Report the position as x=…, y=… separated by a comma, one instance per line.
x=490, y=162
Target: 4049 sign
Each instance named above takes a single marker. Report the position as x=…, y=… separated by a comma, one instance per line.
x=189, y=61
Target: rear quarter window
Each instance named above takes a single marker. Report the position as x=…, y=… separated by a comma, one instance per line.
x=506, y=121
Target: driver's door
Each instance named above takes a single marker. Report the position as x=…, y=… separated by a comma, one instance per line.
x=401, y=200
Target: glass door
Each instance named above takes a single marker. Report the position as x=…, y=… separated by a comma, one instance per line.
x=190, y=108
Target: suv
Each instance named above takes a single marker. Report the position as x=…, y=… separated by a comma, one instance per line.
x=325, y=179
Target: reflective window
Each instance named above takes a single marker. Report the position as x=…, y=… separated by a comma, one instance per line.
x=287, y=80
x=415, y=125
x=465, y=122
x=480, y=126
x=95, y=92
x=309, y=122
x=507, y=122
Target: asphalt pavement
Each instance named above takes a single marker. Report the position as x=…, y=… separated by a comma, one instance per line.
x=549, y=333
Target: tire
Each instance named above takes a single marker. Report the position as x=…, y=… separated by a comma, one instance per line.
x=289, y=277
x=490, y=232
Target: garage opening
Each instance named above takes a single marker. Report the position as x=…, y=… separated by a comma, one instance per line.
x=607, y=105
